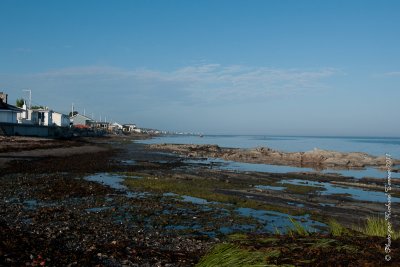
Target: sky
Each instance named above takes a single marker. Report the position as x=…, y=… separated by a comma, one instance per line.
x=278, y=67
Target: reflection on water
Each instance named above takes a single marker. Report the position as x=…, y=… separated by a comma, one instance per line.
x=270, y=221
x=195, y=200
x=111, y=180
x=256, y=167
x=330, y=189
x=116, y=182
x=356, y=193
x=273, y=220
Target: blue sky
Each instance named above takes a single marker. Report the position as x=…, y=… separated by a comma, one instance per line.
x=240, y=67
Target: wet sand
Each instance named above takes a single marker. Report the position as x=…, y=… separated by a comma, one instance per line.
x=14, y=148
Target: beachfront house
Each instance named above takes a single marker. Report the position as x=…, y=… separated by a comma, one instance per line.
x=102, y=125
x=22, y=117
x=61, y=120
x=42, y=117
x=82, y=120
x=115, y=126
x=129, y=127
x=8, y=113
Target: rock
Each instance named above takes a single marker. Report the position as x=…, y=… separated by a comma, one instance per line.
x=316, y=158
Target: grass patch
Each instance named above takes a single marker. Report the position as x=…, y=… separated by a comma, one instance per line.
x=347, y=248
x=336, y=229
x=272, y=254
x=268, y=240
x=376, y=226
x=301, y=189
x=227, y=255
x=300, y=248
x=237, y=236
x=297, y=228
x=323, y=243
x=203, y=188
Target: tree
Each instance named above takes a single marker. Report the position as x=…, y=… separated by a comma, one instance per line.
x=20, y=102
x=38, y=107
x=75, y=113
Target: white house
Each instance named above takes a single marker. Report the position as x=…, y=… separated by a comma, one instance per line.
x=129, y=127
x=60, y=119
x=23, y=116
x=115, y=127
x=42, y=117
x=8, y=113
x=81, y=120
x=116, y=124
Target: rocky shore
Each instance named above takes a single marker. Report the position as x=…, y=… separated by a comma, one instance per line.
x=145, y=208
x=51, y=216
x=316, y=158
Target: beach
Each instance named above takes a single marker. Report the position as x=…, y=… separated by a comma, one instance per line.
x=113, y=201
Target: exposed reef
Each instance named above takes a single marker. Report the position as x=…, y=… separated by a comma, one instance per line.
x=316, y=158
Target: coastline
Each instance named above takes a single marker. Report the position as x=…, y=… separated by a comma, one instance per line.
x=47, y=195
x=317, y=158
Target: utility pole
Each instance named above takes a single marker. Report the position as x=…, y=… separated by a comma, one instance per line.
x=30, y=96
x=84, y=112
x=72, y=112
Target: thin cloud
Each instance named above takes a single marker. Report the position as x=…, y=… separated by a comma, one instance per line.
x=197, y=84
x=391, y=74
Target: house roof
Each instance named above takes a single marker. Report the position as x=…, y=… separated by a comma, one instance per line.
x=83, y=116
x=59, y=113
x=41, y=110
x=5, y=106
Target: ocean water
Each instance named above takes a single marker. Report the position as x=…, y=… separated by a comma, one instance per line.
x=375, y=146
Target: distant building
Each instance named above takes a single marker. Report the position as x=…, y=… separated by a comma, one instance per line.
x=115, y=126
x=82, y=120
x=129, y=127
x=22, y=117
x=42, y=117
x=60, y=119
x=102, y=125
x=8, y=113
